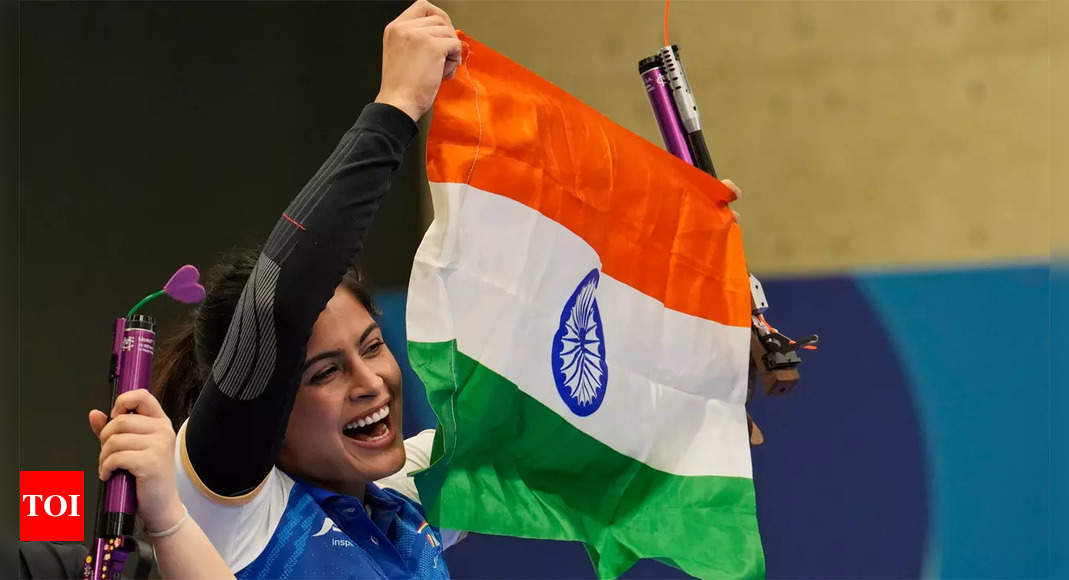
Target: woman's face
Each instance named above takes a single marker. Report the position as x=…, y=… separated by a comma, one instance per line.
x=345, y=428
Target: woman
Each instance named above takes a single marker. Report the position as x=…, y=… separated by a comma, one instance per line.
x=300, y=408
x=346, y=319
x=299, y=412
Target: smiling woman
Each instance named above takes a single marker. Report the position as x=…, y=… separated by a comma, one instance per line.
x=342, y=434
x=293, y=399
x=349, y=381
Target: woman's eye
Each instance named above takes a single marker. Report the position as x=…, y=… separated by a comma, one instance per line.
x=322, y=376
x=374, y=348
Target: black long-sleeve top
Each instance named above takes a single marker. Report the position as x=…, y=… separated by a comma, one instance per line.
x=236, y=427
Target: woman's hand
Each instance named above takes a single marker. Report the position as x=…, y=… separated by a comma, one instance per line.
x=419, y=49
x=142, y=443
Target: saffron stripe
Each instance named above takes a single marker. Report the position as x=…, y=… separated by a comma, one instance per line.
x=658, y=224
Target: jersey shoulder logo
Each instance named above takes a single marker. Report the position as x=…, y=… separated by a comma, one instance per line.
x=328, y=526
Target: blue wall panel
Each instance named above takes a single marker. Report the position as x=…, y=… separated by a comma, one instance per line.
x=976, y=343
x=841, y=479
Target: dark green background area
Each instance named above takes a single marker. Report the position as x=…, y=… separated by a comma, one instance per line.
x=159, y=134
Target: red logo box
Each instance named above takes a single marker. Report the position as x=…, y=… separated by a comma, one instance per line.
x=52, y=506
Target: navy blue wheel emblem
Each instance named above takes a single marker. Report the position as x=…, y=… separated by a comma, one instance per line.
x=578, y=354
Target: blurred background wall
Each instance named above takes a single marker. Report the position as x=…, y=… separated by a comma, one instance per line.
x=896, y=162
x=1059, y=227
x=862, y=133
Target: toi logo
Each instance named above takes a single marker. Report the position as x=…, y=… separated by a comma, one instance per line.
x=51, y=506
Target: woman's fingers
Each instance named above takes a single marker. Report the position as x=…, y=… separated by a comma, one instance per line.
x=97, y=421
x=124, y=442
x=139, y=457
x=421, y=9
x=452, y=49
x=139, y=401
x=131, y=423
x=738, y=193
x=130, y=460
x=734, y=188
x=432, y=9
x=433, y=21
x=442, y=31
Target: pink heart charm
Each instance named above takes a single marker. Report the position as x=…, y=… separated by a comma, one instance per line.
x=184, y=285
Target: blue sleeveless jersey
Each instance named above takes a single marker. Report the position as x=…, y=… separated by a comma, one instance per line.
x=327, y=535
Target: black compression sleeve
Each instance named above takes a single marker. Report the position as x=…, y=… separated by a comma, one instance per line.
x=236, y=427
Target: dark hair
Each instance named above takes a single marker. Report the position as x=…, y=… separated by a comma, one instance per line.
x=185, y=360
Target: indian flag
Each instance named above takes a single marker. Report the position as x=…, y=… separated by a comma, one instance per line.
x=579, y=311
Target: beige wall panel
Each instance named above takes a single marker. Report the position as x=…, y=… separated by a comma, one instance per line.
x=863, y=133
x=1059, y=223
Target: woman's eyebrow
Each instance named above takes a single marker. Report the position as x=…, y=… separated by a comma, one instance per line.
x=319, y=357
x=370, y=328
x=337, y=352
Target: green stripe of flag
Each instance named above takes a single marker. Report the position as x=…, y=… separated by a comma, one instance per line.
x=505, y=464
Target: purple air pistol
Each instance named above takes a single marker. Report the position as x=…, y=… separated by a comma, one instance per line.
x=133, y=346
x=773, y=356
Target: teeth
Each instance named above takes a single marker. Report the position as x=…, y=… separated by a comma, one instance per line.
x=372, y=418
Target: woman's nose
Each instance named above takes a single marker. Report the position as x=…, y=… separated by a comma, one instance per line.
x=365, y=383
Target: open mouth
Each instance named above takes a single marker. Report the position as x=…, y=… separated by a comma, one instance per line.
x=372, y=428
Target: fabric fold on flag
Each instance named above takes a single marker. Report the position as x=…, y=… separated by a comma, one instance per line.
x=579, y=312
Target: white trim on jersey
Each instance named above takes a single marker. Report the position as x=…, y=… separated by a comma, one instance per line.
x=417, y=457
x=240, y=528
